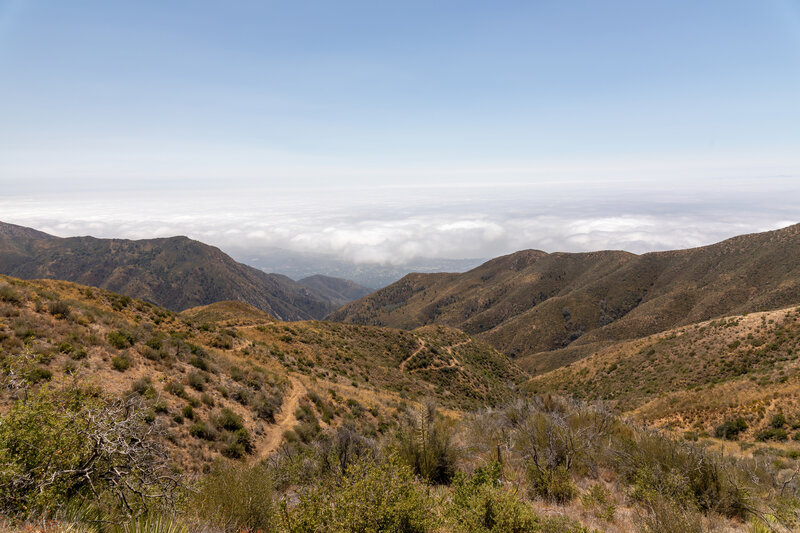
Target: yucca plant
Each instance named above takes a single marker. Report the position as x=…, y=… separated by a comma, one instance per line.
x=153, y=523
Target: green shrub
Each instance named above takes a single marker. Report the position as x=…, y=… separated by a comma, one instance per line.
x=37, y=374
x=66, y=347
x=480, y=504
x=78, y=354
x=599, y=498
x=59, y=309
x=7, y=294
x=228, y=420
x=554, y=484
x=424, y=443
x=121, y=339
x=154, y=343
x=665, y=516
x=235, y=498
x=369, y=497
x=237, y=444
x=730, y=429
x=201, y=430
x=197, y=380
x=121, y=363
x=265, y=406
x=684, y=474
x=174, y=387
x=144, y=387
x=199, y=363
x=47, y=439
x=772, y=433
x=778, y=421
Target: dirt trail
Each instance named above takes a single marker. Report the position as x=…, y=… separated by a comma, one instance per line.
x=410, y=357
x=453, y=360
x=284, y=421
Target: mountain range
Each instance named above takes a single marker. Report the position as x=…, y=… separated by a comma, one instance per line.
x=598, y=387
x=548, y=309
x=174, y=272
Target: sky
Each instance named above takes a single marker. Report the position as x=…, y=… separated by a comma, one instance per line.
x=384, y=131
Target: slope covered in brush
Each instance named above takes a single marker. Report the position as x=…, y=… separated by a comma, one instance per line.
x=211, y=371
x=531, y=302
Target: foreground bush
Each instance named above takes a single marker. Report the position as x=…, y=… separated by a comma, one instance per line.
x=236, y=497
x=684, y=475
x=425, y=444
x=479, y=504
x=68, y=446
x=369, y=497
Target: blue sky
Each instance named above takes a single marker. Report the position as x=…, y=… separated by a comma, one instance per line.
x=142, y=97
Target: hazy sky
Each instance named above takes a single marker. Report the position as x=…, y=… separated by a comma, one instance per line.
x=378, y=131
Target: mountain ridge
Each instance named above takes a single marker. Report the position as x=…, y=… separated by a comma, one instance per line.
x=532, y=302
x=175, y=272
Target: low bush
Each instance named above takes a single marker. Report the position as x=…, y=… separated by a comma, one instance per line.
x=236, y=444
x=121, y=362
x=554, y=484
x=228, y=420
x=121, y=339
x=684, y=474
x=196, y=380
x=266, y=406
x=201, y=430
x=424, y=442
x=480, y=504
x=54, y=435
x=772, y=433
x=59, y=309
x=7, y=294
x=369, y=497
x=235, y=498
x=730, y=429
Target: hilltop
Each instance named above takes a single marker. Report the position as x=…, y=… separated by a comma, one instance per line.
x=531, y=303
x=175, y=272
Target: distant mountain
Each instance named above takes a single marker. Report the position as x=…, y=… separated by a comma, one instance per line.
x=174, y=272
x=530, y=303
x=298, y=265
x=336, y=290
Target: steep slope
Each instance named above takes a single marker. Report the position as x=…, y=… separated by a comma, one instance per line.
x=174, y=272
x=695, y=377
x=190, y=367
x=338, y=291
x=530, y=303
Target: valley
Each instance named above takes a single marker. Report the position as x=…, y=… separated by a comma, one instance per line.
x=682, y=371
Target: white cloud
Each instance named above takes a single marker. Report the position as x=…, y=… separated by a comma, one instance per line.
x=395, y=226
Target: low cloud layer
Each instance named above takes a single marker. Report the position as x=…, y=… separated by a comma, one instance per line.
x=396, y=226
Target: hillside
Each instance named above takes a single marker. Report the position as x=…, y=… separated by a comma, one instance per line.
x=530, y=303
x=338, y=291
x=696, y=377
x=340, y=412
x=192, y=366
x=176, y=272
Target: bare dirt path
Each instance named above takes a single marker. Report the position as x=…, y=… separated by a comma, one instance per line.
x=453, y=359
x=284, y=421
x=410, y=357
